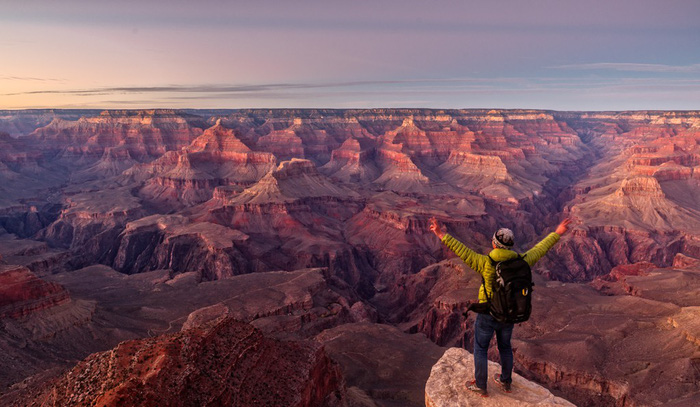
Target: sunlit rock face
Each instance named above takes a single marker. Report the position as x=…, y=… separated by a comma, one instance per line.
x=145, y=134
x=164, y=201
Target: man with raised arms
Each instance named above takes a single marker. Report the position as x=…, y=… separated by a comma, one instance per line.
x=486, y=325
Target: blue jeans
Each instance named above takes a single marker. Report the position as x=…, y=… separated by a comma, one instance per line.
x=484, y=327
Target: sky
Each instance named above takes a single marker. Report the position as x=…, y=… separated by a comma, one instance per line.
x=540, y=54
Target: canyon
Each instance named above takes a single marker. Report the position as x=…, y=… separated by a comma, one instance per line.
x=304, y=232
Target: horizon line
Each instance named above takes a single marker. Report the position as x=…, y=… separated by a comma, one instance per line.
x=177, y=109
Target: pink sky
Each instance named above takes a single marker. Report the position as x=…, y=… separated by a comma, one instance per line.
x=565, y=55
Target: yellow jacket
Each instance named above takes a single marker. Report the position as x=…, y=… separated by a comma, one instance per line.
x=482, y=264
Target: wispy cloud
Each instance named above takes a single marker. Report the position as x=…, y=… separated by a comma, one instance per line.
x=160, y=89
x=631, y=67
x=28, y=79
x=597, y=93
x=256, y=88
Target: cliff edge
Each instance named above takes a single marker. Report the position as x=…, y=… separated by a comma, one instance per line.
x=445, y=387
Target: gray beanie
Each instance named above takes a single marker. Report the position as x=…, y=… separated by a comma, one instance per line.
x=503, y=238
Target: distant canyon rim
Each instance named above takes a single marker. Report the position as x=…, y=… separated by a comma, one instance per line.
x=304, y=232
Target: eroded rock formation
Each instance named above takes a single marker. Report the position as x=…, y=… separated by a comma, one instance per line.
x=223, y=363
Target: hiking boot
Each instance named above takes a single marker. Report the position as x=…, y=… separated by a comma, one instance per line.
x=476, y=389
x=504, y=386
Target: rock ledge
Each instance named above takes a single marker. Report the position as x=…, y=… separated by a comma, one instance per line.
x=445, y=386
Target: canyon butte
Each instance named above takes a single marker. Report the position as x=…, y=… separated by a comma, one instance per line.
x=282, y=257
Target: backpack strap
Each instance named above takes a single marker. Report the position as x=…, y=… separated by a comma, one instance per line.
x=483, y=281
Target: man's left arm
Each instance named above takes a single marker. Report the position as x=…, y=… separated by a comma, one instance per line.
x=541, y=248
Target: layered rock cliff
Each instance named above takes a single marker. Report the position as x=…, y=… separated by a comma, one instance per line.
x=145, y=134
x=640, y=202
x=23, y=293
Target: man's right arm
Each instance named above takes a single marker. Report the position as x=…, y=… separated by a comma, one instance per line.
x=474, y=260
x=541, y=248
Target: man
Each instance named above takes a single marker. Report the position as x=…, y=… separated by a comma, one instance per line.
x=485, y=325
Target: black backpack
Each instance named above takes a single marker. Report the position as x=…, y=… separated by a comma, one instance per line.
x=511, y=299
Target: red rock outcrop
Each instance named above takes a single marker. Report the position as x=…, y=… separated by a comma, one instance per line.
x=223, y=363
x=285, y=144
x=615, y=282
x=399, y=172
x=473, y=172
x=23, y=293
x=351, y=163
x=312, y=135
x=216, y=158
x=413, y=140
x=291, y=181
x=41, y=326
x=683, y=261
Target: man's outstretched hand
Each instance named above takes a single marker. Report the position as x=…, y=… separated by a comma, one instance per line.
x=563, y=226
x=436, y=228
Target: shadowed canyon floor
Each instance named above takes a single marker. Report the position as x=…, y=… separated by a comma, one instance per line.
x=311, y=226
